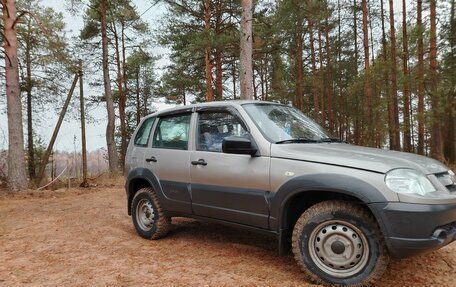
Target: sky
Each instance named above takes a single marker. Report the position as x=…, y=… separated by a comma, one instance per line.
x=69, y=135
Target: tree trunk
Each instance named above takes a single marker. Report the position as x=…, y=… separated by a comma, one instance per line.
x=266, y=76
x=384, y=69
x=369, y=13
x=393, y=108
x=382, y=15
x=146, y=94
x=340, y=101
x=405, y=55
x=110, y=129
x=314, y=72
x=17, y=177
x=262, y=78
x=29, y=87
x=120, y=86
x=119, y=71
x=355, y=35
x=299, y=93
x=218, y=54
x=322, y=79
x=357, y=127
x=218, y=74
x=328, y=79
x=419, y=23
x=246, y=50
x=436, y=135
x=207, y=51
x=255, y=96
x=450, y=142
x=138, y=102
x=123, y=104
x=233, y=74
x=367, y=83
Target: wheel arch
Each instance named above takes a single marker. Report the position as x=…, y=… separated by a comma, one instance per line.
x=140, y=178
x=300, y=193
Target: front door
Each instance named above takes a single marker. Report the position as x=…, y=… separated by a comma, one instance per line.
x=228, y=187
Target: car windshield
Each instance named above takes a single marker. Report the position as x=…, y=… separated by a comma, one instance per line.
x=284, y=124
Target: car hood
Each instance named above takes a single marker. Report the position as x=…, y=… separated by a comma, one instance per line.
x=373, y=159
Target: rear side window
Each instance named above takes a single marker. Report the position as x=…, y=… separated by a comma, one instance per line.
x=142, y=136
x=172, y=132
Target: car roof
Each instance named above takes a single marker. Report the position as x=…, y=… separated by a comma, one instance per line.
x=192, y=107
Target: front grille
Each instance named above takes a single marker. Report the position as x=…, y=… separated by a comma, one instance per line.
x=447, y=180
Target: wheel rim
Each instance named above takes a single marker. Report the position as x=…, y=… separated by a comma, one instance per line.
x=145, y=214
x=339, y=248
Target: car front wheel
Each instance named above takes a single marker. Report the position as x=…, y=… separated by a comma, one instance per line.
x=147, y=215
x=339, y=243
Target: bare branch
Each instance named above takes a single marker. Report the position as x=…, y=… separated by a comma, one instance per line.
x=6, y=8
x=22, y=13
x=4, y=38
x=9, y=59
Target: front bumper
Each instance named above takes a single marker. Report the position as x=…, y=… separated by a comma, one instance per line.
x=412, y=229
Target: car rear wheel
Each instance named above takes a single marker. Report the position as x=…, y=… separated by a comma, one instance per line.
x=339, y=243
x=148, y=216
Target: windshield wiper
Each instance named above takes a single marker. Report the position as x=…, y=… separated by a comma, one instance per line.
x=298, y=140
x=330, y=140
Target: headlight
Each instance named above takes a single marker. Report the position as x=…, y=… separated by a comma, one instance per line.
x=408, y=181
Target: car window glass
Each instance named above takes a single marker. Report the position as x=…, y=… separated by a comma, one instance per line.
x=279, y=123
x=172, y=132
x=142, y=136
x=213, y=127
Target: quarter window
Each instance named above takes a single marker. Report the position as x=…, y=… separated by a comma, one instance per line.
x=142, y=136
x=213, y=127
x=172, y=132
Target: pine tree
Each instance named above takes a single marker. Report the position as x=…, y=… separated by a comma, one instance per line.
x=17, y=178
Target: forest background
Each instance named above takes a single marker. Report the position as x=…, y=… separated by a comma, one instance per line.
x=374, y=73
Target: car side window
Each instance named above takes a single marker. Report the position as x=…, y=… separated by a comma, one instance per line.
x=213, y=127
x=142, y=136
x=172, y=132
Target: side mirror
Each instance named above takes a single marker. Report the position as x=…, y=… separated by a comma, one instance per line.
x=238, y=145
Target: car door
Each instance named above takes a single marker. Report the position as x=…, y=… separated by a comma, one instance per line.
x=137, y=147
x=231, y=187
x=169, y=160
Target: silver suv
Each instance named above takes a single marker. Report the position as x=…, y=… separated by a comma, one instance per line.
x=342, y=209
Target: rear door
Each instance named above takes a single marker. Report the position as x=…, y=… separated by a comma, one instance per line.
x=169, y=159
x=138, y=147
x=228, y=187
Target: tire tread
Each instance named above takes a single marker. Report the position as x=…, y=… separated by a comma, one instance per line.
x=163, y=224
x=339, y=205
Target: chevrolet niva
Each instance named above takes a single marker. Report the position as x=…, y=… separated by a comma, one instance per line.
x=342, y=209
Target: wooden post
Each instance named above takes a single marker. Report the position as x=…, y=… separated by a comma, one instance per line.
x=68, y=173
x=56, y=132
x=84, y=182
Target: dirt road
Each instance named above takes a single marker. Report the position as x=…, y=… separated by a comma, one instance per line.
x=85, y=238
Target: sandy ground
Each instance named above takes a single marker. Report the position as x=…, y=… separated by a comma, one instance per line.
x=85, y=238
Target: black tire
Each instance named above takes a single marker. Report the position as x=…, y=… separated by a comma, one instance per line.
x=338, y=243
x=148, y=216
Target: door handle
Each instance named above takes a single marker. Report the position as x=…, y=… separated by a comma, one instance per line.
x=152, y=158
x=199, y=162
